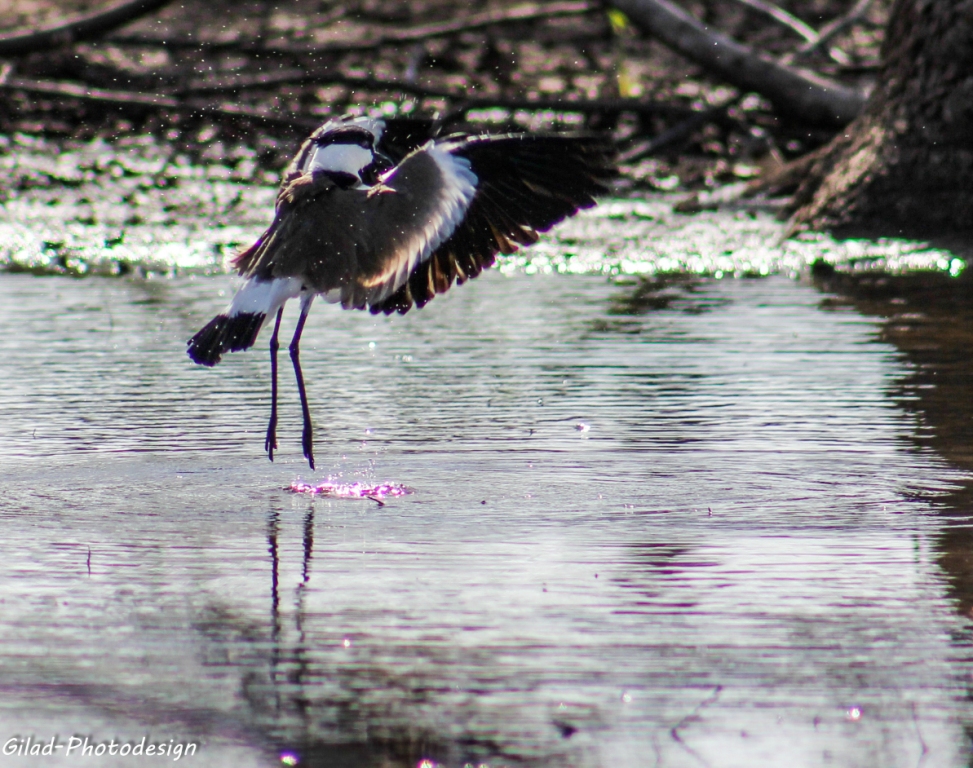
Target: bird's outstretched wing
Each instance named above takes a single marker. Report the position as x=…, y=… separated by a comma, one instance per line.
x=359, y=245
x=526, y=183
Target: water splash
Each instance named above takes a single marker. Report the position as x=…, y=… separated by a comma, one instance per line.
x=351, y=490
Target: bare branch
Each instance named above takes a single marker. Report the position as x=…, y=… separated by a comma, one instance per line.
x=519, y=13
x=676, y=133
x=84, y=27
x=580, y=106
x=803, y=94
x=811, y=37
x=235, y=83
x=781, y=16
x=169, y=103
x=464, y=100
x=836, y=27
x=133, y=99
x=526, y=12
x=245, y=82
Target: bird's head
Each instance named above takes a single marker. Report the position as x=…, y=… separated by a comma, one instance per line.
x=347, y=150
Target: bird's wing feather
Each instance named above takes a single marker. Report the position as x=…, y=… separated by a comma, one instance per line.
x=527, y=184
x=359, y=246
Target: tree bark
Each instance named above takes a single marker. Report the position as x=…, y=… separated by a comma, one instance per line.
x=905, y=165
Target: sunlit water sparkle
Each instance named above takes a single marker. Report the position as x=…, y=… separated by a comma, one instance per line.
x=351, y=490
x=110, y=208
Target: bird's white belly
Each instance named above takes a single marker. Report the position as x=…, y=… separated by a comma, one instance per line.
x=264, y=296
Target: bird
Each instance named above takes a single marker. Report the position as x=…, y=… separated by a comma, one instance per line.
x=385, y=220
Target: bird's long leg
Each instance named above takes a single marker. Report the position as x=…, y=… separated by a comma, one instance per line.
x=306, y=438
x=271, y=442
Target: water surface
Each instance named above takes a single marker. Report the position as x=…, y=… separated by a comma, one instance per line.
x=679, y=525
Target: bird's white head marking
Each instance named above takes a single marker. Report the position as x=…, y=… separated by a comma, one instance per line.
x=346, y=149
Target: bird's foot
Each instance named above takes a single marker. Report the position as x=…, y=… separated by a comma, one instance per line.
x=307, y=444
x=270, y=443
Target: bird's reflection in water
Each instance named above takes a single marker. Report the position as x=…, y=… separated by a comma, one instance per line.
x=307, y=713
x=289, y=666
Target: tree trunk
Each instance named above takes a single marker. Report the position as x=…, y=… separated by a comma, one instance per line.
x=905, y=165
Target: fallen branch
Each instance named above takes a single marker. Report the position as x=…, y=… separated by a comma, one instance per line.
x=781, y=16
x=170, y=103
x=465, y=101
x=800, y=93
x=678, y=132
x=527, y=12
x=583, y=106
x=84, y=27
x=135, y=100
x=810, y=36
x=465, y=104
x=236, y=83
x=787, y=178
x=775, y=189
x=836, y=27
x=517, y=14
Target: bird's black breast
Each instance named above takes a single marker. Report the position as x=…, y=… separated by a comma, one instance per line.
x=342, y=179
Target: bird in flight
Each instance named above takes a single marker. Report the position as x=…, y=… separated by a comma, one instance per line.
x=380, y=224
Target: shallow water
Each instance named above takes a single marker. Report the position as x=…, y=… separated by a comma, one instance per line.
x=678, y=521
x=698, y=535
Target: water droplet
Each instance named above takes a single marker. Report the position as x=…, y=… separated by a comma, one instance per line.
x=346, y=643
x=854, y=714
x=289, y=758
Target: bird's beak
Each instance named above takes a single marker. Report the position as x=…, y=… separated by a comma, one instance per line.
x=381, y=165
x=384, y=161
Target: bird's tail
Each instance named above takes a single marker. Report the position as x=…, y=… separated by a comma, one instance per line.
x=237, y=326
x=225, y=333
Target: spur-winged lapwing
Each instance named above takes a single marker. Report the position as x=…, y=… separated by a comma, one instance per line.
x=365, y=223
